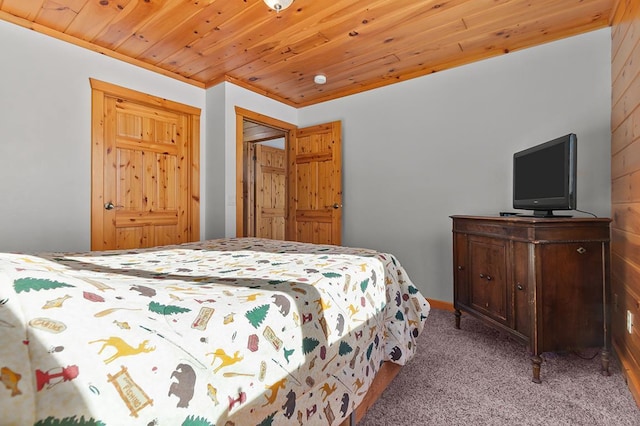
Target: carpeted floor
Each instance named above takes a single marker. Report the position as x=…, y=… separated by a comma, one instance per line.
x=477, y=376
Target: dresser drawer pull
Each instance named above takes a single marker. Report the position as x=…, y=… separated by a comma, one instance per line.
x=581, y=250
x=519, y=287
x=488, y=277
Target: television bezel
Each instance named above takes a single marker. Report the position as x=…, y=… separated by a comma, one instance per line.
x=544, y=206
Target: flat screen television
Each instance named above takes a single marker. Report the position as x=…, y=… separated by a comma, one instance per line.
x=544, y=177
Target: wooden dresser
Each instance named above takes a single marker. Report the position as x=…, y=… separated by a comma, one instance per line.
x=545, y=281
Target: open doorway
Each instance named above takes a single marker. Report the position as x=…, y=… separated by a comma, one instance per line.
x=265, y=180
x=313, y=170
x=261, y=175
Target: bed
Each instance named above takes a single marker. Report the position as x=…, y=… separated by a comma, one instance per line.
x=238, y=331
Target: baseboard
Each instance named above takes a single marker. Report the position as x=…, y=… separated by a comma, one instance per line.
x=439, y=304
x=630, y=372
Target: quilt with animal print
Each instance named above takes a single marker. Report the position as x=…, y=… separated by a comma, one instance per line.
x=221, y=332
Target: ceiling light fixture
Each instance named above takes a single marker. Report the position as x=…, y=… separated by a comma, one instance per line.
x=278, y=5
x=320, y=79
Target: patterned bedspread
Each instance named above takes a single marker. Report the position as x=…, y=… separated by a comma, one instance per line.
x=220, y=332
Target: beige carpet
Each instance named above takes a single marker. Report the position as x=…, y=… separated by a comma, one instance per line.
x=477, y=376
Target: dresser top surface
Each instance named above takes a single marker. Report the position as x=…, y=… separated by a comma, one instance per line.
x=534, y=229
x=533, y=219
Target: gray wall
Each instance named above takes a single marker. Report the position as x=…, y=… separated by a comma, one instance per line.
x=419, y=151
x=45, y=144
x=214, y=219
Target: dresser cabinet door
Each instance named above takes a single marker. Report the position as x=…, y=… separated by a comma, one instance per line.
x=460, y=270
x=522, y=297
x=570, y=295
x=487, y=276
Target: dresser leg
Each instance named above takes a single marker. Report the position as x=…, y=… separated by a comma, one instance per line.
x=536, y=361
x=458, y=314
x=604, y=358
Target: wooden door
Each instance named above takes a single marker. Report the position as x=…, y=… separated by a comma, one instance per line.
x=315, y=184
x=570, y=294
x=460, y=269
x=144, y=180
x=487, y=270
x=270, y=196
x=522, y=294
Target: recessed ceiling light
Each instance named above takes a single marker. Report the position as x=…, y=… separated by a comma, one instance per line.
x=320, y=79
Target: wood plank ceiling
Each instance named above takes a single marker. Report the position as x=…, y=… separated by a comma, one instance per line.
x=357, y=45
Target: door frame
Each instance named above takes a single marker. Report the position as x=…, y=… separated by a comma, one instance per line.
x=242, y=115
x=101, y=89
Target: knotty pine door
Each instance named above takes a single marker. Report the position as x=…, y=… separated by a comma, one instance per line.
x=270, y=192
x=315, y=184
x=144, y=182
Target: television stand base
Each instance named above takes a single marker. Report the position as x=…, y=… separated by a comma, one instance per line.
x=553, y=216
x=547, y=214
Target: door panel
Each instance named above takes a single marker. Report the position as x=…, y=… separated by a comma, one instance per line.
x=143, y=167
x=522, y=292
x=572, y=314
x=270, y=192
x=315, y=184
x=488, y=277
x=149, y=176
x=460, y=269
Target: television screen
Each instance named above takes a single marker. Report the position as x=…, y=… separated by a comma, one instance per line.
x=544, y=176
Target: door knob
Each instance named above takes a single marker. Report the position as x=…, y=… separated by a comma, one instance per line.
x=337, y=206
x=109, y=206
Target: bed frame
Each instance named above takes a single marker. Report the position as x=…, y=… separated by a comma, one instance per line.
x=385, y=376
